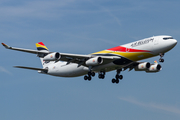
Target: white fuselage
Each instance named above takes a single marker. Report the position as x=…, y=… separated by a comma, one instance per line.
x=156, y=45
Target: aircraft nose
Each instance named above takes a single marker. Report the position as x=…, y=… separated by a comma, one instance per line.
x=174, y=42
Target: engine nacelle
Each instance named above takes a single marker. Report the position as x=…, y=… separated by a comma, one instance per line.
x=142, y=66
x=154, y=68
x=52, y=57
x=94, y=61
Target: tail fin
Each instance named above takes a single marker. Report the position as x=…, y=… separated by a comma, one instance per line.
x=41, y=47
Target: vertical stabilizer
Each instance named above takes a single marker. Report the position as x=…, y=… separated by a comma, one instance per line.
x=41, y=47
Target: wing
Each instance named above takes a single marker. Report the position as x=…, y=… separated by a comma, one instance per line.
x=69, y=58
x=131, y=66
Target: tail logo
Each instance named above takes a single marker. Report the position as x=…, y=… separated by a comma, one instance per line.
x=41, y=46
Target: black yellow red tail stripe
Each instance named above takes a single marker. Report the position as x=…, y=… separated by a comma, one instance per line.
x=41, y=46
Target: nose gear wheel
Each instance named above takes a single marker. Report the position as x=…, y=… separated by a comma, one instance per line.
x=161, y=57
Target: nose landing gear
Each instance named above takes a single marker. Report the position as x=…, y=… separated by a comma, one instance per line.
x=161, y=57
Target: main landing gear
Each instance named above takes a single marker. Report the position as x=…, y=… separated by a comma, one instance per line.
x=101, y=75
x=92, y=74
x=89, y=76
x=117, y=77
x=161, y=57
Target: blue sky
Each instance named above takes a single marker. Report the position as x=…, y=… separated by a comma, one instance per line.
x=83, y=27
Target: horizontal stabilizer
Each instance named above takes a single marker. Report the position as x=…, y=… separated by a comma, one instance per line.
x=6, y=46
x=31, y=68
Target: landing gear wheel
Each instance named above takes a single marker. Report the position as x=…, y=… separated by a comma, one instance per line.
x=85, y=77
x=113, y=80
x=117, y=81
x=117, y=76
x=101, y=76
x=89, y=78
x=161, y=60
x=161, y=57
x=121, y=77
x=92, y=74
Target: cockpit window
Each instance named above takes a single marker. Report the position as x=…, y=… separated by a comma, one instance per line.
x=167, y=38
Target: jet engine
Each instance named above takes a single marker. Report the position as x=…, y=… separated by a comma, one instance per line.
x=143, y=66
x=94, y=61
x=154, y=68
x=52, y=57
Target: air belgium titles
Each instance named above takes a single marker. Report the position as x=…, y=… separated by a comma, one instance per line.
x=142, y=42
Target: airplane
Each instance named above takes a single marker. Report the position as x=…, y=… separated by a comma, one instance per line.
x=117, y=58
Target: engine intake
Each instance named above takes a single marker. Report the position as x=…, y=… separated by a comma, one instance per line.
x=94, y=61
x=52, y=57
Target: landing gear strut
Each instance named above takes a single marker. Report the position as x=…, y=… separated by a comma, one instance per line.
x=161, y=57
x=117, y=77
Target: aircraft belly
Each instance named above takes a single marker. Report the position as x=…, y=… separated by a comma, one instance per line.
x=70, y=70
x=106, y=67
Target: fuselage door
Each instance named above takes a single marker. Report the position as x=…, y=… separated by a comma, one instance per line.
x=156, y=41
x=128, y=49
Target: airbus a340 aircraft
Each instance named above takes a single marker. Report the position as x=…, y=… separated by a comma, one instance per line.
x=118, y=58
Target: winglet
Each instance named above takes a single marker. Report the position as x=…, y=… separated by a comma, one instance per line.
x=6, y=46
